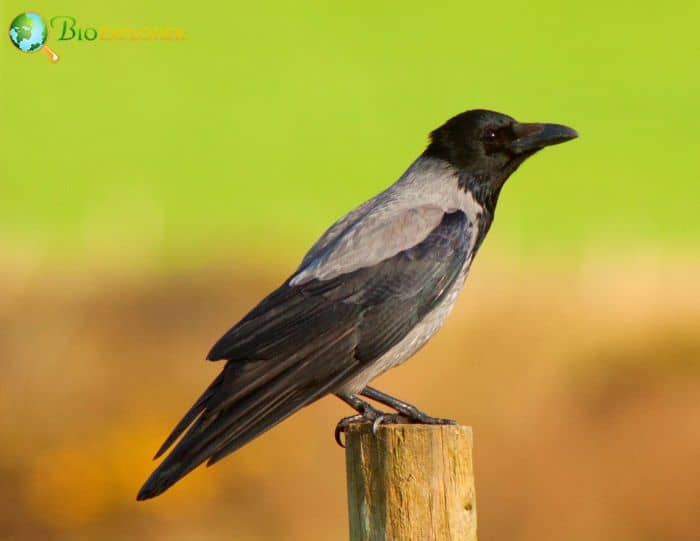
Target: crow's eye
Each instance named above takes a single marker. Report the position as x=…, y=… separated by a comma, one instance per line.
x=491, y=135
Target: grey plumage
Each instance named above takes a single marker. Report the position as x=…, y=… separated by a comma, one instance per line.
x=396, y=219
x=368, y=294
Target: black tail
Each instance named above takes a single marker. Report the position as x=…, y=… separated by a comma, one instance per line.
x=244, y=401
x=307, y=344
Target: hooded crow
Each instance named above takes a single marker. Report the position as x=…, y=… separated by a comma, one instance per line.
x=367, y=296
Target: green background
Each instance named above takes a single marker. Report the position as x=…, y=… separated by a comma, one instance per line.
x=151, y=193
x=274, y=118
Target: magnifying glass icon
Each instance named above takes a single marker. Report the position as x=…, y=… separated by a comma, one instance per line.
x=28, y=32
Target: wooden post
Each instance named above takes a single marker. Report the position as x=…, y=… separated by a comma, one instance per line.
x=410, y=482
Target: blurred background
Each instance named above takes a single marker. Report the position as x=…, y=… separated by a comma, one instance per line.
x=152, y=191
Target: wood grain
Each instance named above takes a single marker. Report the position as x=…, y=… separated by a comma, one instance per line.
x=410, y=482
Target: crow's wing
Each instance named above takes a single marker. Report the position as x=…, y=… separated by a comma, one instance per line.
x=290, y=317
x=303, y=341
x=364, y=239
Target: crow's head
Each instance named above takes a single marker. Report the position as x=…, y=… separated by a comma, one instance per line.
x=487, y=147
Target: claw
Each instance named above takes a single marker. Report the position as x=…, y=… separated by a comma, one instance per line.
x=367, y=413
x=336, y=435
x=376, y=423
x=343, y=425
x=388, y=418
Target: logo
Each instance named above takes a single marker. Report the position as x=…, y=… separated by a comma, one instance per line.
x=28, y=32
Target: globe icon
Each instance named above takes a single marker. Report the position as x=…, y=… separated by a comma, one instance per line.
x=28, y=32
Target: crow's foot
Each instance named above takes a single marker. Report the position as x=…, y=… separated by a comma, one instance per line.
x=367, y=413
x=406, y=410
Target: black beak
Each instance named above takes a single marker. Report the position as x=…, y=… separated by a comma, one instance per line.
x=533, y=137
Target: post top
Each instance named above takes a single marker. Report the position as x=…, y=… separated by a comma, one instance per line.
x=411, y=429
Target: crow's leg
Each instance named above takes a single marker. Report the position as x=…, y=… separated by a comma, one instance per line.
x=404, y=408
x=366, y=412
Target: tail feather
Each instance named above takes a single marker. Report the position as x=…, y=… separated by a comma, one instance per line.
x=244, y=401
x=194, y=412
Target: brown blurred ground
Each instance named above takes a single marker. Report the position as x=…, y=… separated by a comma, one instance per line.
x=583, y=388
